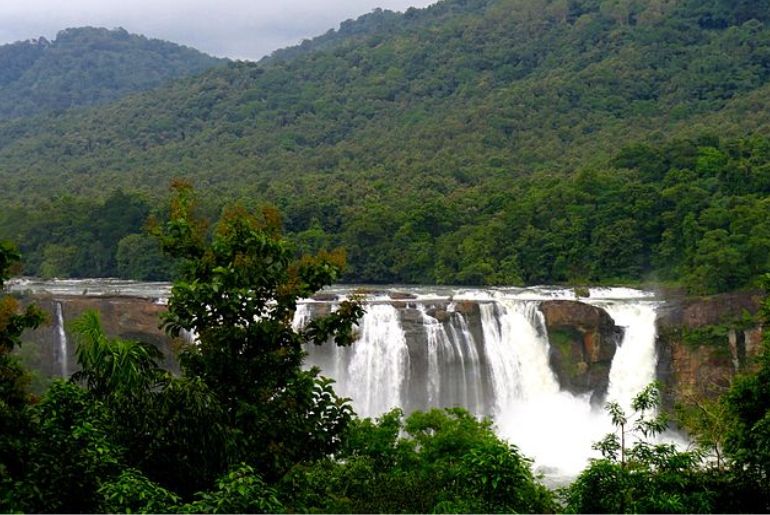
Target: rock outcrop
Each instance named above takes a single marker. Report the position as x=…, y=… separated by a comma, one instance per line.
x=703, y=342
x=583, y=341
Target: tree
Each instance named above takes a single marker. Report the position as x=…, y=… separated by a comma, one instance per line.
x=441, y=461
x=14, y=421
x=748, y=438
x=238, y=290
x=637, y=474
x=138, y=257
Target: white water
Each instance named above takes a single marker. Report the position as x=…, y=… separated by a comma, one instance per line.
x=61, y=341
x=558, y=428
x=378, y=364
x=506, y=374
x=493, y=362
x=634, y=365
x=437, y=343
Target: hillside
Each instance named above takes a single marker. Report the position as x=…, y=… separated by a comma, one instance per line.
x=87, y=66
x=469, y=142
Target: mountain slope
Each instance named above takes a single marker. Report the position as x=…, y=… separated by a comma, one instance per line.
x=87, y=66
x=499, y=87
x=416, y=143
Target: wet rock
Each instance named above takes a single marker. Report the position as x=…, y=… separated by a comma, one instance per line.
x=325, y=297
x=583, y=341
x=467, y=307
x=439, y=313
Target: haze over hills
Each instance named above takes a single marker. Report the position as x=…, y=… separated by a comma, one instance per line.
x=466, y=142
x=86, y=66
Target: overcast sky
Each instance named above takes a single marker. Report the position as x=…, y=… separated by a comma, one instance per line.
x=239, y=29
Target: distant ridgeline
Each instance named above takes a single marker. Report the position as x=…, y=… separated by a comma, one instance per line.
x=86, y=66
x=471, y=142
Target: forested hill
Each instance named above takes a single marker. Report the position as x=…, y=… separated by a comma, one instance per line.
x=86, y=66
x=458, y=93
x=466, y=142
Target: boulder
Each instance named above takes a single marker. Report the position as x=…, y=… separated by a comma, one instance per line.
x=583, y=341
x=399, y=295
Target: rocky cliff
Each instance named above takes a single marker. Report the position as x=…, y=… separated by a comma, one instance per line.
x=122, y=317
x=704, y=342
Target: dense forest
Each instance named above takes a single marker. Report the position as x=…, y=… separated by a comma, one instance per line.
x=87, y=66
x=471, y=142
x=246, y=429
x=691, y=212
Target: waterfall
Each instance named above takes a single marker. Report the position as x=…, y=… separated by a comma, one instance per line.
x=427, y=354
x=302, y=315
x=378, y=364
x=436, y=343
x=552, y=426
x=517, y=348
x=447, y=378
x=61, y=342
x=467, y=343
x=635, y=360
x=485, y=350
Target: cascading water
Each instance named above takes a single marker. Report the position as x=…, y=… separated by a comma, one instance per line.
x=517, y=349
x=62, y=358
x=374, y=371
x=487, y=351
x=437, y=343
x=467, y=345
x=503, y=370
x=634, y=365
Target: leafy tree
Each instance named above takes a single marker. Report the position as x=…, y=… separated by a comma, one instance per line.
x=640, y=475
x=68, y=451
x=238, y=292
x=437, y=461
x=139, y=257
x=132, y=492
x=15, y=424
x=239, y=491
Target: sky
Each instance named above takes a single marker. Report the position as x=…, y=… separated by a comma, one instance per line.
x=239, y=29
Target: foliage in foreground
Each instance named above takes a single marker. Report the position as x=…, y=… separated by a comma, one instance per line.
x=637, y=474
x=444, y=461
x=245, y=429
x=123, y=432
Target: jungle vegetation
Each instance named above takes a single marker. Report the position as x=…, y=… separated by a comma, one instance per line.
x=245, y=428
x=473, y=142
x=87, y=66
x=689, y=212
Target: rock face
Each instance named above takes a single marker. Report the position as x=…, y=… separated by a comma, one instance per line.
x=703, y=342
x=583, y=342
x=128, y=318
x=413, y=322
